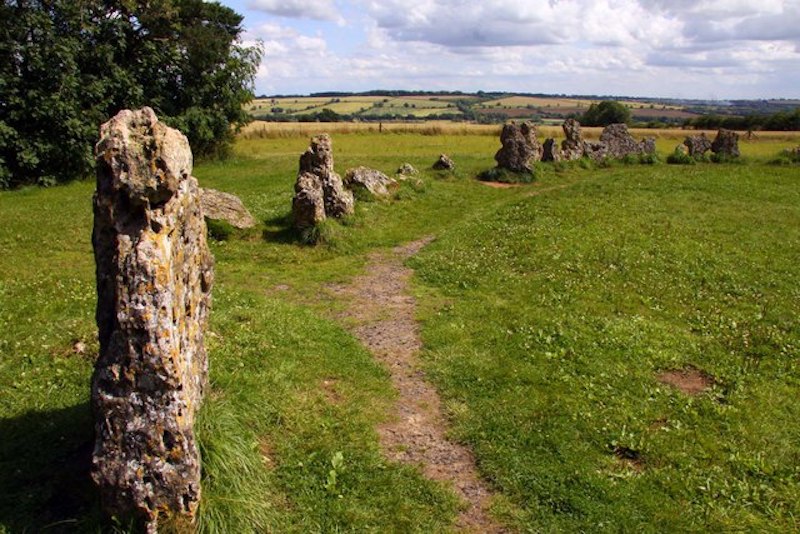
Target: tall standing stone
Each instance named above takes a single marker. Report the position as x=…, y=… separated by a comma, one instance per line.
x=726, y=144
x=520, y=147
x=319, y=191
x=318, y=160
x=154, y=277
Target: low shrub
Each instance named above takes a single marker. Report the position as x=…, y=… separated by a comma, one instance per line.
x=724, y=158
x=322, y=233
x=790, y=156
x=680, y=157
x=505, y=176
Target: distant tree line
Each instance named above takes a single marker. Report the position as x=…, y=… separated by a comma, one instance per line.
x=780, y=121
x=66, y=66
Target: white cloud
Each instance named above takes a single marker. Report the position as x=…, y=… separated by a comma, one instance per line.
x=633, y=47
x=299, y=9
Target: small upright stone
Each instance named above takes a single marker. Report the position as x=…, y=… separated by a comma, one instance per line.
x=520, y=148
x=726, y=144
x=154, y=276
x=697, y=145
x=550, y=151
x=648, y=145
x=573, y=146
x=444, y=163
x=308, y=205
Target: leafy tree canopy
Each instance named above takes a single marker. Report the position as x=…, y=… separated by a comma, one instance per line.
x=66, y=66
x=605, y=113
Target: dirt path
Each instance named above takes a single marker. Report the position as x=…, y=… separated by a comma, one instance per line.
x=383, y=314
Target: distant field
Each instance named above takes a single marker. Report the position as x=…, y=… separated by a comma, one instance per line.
x=493, y=108
x=522, y=101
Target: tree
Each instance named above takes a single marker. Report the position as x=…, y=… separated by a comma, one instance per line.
x=66, y=66
x=605, y=113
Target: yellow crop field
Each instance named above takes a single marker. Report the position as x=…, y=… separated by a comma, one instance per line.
x=523, y=101
x=419, y=102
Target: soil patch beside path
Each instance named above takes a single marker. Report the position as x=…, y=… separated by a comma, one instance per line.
x=382, y=312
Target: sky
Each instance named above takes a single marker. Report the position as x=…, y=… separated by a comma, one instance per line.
x=699, y=49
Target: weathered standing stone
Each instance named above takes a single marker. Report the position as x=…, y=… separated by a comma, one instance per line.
x=317, y=161
x=648, y=145
x=308, y=205
x=726, y=144
x=550, y=151
x=520, y=147
x=444, y=163
x=222, y=206
x=595, y=151
x=697, y=145
x=573, y=146
x=154, y=277
x=619, y=141
x=369, y=181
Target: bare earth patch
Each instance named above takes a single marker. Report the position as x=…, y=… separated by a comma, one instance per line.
x=502, y=185
x=381, y=313
x=689, y=380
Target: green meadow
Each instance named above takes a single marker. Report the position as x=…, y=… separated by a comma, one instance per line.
x=548, y=313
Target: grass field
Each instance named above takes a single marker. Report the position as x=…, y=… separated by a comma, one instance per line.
x=546, y=320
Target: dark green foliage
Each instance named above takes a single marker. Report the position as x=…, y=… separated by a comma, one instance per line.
x=640, y=159
x=680, y=157
x=496, y=174
x=780, y=121
x=605, y=113
x=66, y=66
x=725, y=158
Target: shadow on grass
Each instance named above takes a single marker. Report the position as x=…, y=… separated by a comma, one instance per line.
x=45, y=458
x=279, y=230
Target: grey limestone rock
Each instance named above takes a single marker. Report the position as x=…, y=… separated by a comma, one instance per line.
x=697, y=145
x=620, y=143
x=370, y=181
x=444, y=163
x=218, y=205
x=154, y=277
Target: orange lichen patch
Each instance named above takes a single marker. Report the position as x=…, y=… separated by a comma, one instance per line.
x=689, y=380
